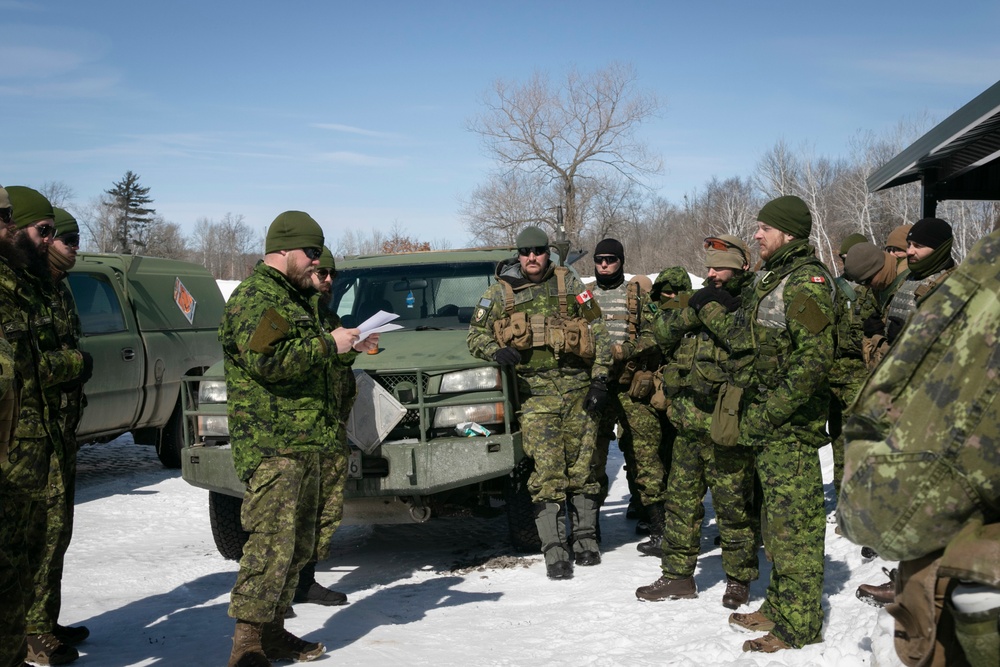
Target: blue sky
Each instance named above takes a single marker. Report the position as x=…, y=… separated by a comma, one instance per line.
x=357, y=112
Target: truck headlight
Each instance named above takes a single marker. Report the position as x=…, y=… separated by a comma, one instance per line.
x=473, y=379
x=210, y=426
x=486, y=413
x=212, y=391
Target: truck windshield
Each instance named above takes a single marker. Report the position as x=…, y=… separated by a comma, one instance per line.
x=429, y=296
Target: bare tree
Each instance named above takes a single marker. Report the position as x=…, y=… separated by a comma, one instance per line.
x=58, y=193
x=582, y=129
x=228, y=248
x=509, y=201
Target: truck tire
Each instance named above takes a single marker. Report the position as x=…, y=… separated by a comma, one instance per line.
x=227, y=530
x=171, y=439
x=520, y=509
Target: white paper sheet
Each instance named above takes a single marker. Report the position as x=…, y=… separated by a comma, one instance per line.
x=378, y=323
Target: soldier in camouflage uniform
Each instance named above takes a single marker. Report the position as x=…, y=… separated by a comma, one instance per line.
x=922, y=476
x=854, y=304
x=627, y=311
x=283, y=418
x=36, y=463
x=697, y=372
x=17, y=361
x=786, y=323
x=542, y=321
x=333, y=467
x=43, y=615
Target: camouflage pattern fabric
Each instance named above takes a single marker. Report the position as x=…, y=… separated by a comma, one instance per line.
x=906, y=494
x=556, y=431
x=698, y=464
x=44, y=611
x=785, y=324
x=272, y=342
x=279, y=511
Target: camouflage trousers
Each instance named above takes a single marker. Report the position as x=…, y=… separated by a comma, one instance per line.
x=17, y=511
x=841, y=396
x=332, y=474
x=54, y=535
x=641, y=440
x=794, y=530
x=559, y=435
x=699, y=464
x=279, y=511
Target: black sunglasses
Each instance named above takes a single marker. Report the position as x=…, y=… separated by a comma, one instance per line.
x=323, y=274
x=71, y=239
x=312, y=253
x=537, y=250
x=605, y=259
x=6, y=215
x=46, y=230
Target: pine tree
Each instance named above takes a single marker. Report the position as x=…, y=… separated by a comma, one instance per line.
x=132, y=217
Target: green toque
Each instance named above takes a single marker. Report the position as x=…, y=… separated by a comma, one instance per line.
x=789, y=214
x=30, y=206
x=292, y=230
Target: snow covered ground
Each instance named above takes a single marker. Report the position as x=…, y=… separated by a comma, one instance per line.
x=144, y=575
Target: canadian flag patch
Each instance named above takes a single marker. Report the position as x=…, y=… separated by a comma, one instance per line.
x=815, y=279
x=584, y=297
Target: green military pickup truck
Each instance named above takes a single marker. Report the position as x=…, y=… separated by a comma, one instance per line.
x=423, y=467
x=148, y=322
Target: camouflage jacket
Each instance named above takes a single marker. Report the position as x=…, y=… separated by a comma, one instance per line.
x=16, y=356
x=853, y=305
x=69, y=396
x=922, y=459
x=540, y=299
x=341, y=373
x=785, y=323
x=272, y=343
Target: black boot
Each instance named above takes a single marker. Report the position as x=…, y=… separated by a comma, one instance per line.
x=654, y=545
x=583, y=512
x=550, y=519
x=308, y=590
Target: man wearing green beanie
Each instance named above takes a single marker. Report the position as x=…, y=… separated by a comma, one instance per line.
x=272, y=344
x=40, y=468
x=333, y=464
x=782, y=341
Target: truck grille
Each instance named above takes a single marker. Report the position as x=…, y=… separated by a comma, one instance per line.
x=407, y=384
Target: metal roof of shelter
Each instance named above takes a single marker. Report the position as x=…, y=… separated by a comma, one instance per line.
x=957, y=159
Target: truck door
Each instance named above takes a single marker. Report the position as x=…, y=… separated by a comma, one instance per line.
x=110, y=334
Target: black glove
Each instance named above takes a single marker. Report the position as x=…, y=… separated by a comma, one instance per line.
x=597, y=397
x=710, y=293
x=507, y=356
x=873, y=325
x=88, y=367
x=892, y=329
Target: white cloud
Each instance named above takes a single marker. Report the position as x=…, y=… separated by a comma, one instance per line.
x=360, y=159
x=350, y=129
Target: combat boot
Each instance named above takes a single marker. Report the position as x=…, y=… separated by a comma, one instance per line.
x=71, y=635
x=881, y=594
x=247, y=651
x=550, y=520
x=583, y=510
x=737, y=593
x=309, y=590
x=668, y=589
x=654, y=545
x=755, y=621
x=280, y=644
x=46, y=649
x=766, y=644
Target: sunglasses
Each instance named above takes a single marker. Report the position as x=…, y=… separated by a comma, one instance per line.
x=605, y=259
x=71, y=239
x=6, y=215
x=46, y=230
x=536, y=250
x=323, y=274
x=713, y=243
x=312, y=253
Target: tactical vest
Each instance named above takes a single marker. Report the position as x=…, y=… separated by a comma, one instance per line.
x=620, y=311
x=911, y=292
x=848, y=335
x=769, y=322
x=550, y=338
x=9, y=403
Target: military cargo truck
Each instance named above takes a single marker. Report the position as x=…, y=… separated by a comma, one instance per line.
x=423, y=468
x=148, y=322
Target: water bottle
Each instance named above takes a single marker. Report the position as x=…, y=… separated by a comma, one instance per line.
x=409, y=299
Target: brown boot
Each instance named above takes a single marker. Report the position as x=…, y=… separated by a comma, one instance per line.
x=280, y=644
x=752, y=622
x=737, y=593
x=46, y=649
x=247, y=651
x=766, y=644
x=879, y=595
x=668, y=589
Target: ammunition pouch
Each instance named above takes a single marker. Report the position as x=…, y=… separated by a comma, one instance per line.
x=873, y=349
x=513, y=331
x=659, y=399
x=569, y=336
x=641, y=385
x=725, y=428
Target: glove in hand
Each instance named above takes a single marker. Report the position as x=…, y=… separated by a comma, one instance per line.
x=873, y=326
x=710, y=293
x=507, y=356
x=88, y=367
x=893, y=329
x=597, y=397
